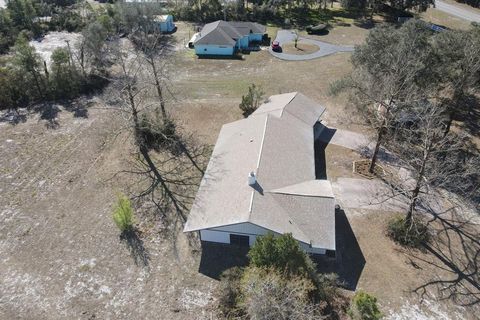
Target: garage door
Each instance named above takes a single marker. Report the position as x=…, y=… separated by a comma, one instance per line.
x=239, y=240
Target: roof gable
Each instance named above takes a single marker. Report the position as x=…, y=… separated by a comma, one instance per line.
x=226, y=33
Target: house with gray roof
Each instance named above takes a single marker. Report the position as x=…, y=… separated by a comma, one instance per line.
x=225, y=38
x=261, y=178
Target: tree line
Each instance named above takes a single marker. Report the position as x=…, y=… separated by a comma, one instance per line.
x=75, y=68
x=299, y=12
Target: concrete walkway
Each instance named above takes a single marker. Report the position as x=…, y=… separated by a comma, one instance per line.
x=469, y=15
x=325, y=49
x=344, y=138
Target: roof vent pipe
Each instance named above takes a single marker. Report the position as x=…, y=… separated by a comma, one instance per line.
x=252, y=179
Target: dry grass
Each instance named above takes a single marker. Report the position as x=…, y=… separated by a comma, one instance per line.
x=208, y=91
x=441, y=18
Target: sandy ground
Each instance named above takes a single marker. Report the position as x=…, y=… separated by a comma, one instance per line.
x=61, y=256
x=54, y=40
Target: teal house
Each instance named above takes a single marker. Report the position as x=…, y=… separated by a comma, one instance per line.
x=165, y=23
x=222, y=38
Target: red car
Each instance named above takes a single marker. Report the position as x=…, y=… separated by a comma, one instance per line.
x=276, y=46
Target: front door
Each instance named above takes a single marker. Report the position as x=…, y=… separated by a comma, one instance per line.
x=236, y=239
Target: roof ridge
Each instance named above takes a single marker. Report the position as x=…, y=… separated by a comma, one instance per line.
x=286, y=104
x=258, y=164
x=284, y=189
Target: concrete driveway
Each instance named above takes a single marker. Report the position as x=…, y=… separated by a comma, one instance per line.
x=466, y=14
x=353, y=193
x=325, y=49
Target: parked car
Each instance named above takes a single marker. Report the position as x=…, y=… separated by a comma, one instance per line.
x=276, y=46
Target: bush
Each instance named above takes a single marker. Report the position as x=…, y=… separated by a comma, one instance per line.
x=327, y=285
x=282, y=253
x=252, y=100
x=408, y=234
x=123, y=214
x=364, y=307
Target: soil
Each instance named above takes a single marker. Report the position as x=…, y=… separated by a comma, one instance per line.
x=62, y=255
x=362, y=168
x=302, y=48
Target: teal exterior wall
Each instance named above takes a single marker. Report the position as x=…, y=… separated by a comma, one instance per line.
x=168, y=25
x=258, y=37
x=243, y=43
x=214, y=50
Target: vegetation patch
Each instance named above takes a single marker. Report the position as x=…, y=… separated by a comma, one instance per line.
x=364, y=307
x=408, y=233
x=281, y=282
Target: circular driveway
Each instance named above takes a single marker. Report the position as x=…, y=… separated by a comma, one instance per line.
x=286, y=36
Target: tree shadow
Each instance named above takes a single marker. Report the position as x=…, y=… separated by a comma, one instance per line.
x=78, y=108
x=13, y=117
x=470, y=122
x=454, y=252
x=365, y=23
x=49, y=112
x=136, y=247
x=218, y=257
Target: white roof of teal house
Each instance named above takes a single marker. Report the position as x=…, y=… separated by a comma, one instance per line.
x=277, y=143
x=162, y=18
x=227, y=32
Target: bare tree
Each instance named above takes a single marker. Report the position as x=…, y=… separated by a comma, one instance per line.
x=390, y=70
x=156, y=49
x=169, y=173
x=434, y=161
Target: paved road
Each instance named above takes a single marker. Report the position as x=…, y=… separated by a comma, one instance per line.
x=467, y=14
x=285, y=36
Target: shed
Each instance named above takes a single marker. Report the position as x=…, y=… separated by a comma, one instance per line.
x=165, y=23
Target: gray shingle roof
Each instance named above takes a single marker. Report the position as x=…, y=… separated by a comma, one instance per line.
x=245, y=27
x=226, y=33
x=277, y=143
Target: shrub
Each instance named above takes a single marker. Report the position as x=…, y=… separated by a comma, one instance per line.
x=408, y=234
x=364, y=307
x=282, y=253
x=267, y=294
x=251, y=101
x=228, y=292
x=155, y=132
x=327, y=286
x=123, y=214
